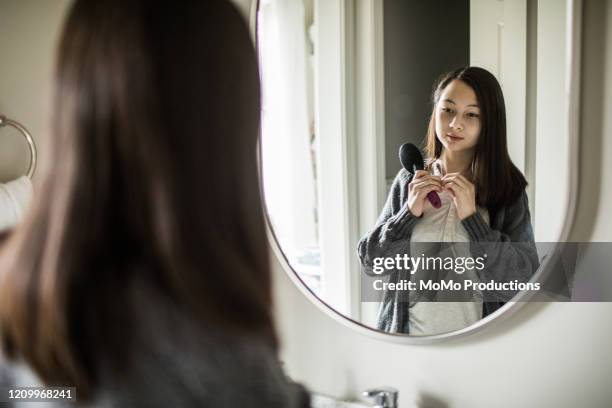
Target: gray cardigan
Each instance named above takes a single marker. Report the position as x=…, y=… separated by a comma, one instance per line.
x=177, y=363
x=508, y=243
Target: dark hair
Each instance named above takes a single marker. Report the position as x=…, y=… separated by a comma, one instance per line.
x=153, y=176
x=498, y=181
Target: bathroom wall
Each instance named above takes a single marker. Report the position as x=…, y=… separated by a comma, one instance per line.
x=545, y=355
x=28, y=33
x=551, y=140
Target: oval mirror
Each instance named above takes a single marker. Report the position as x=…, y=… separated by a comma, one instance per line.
x=484, y=90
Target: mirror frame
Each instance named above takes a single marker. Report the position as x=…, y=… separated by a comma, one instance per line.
x=572, y=104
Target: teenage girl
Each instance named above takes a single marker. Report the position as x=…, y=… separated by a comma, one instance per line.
x=484, y=203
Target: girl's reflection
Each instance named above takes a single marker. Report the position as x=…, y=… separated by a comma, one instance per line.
x=483, y=201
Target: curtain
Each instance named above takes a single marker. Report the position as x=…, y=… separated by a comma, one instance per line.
x=287, y=125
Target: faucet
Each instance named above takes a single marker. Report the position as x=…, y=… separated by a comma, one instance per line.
x=384, y=397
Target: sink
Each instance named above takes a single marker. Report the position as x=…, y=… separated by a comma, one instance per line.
x=324, y=401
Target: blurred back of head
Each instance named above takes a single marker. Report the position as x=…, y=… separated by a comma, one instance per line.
x=153, y=176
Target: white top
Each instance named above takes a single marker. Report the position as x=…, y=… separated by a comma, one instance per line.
x=442, y=225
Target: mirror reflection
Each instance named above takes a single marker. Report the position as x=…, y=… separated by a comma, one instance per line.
x=477, y=88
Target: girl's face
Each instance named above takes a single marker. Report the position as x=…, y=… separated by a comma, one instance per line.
x=457, y=116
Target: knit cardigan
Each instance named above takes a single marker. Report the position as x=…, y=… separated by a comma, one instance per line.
x=176, y=362
x=508, y=243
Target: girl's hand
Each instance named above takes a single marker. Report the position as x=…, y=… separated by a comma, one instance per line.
x=463, y=193
x=422, y=184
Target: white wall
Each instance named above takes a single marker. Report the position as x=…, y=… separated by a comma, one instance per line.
x=546, y=355
x=498, y=34
x=551, y=141
x=28, y=32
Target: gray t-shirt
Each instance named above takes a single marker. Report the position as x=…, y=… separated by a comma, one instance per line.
x=443, y=225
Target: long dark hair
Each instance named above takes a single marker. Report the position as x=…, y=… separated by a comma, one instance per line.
x=152, y=176
x=498, y=181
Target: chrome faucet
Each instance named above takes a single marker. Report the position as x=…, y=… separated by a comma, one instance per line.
x=383, y=397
